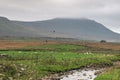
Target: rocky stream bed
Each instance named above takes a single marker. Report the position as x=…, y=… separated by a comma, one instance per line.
x=81, y=74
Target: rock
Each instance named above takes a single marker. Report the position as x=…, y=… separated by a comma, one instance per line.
x=84, y=74
x=60, y=74
x=22, y=69
x=97, y=72
x=1, y=75
x=90, y=76
x=66, y=75
x=10, y=78
x=55, y=78
x=86, y=69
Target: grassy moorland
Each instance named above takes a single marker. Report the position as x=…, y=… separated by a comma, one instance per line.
x=110, y=74
x=49, y=59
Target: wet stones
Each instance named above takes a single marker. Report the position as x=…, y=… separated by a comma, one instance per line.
x=81, y=74
x=85, y=74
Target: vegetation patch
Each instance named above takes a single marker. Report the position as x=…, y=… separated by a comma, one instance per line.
x=57, y=47
x=111, y=74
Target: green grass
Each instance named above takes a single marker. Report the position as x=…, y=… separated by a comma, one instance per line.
x=58, y=47
x=111, y=74
x=41, y=63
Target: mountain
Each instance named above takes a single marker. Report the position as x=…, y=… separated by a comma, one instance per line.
x=10, y=29
x=84, y=29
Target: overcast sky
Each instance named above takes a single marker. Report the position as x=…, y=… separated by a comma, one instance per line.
x=106, y=12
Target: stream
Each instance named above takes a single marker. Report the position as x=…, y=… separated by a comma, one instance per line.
x=81, y=74
x=85, y=74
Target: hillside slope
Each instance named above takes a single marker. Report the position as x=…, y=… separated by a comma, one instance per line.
x=10, y=28
x=78, y=28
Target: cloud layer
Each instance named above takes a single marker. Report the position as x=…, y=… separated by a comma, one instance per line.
x=106, y=12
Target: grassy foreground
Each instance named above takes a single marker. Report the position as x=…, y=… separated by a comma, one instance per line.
x=111, y=74
x=25, y=65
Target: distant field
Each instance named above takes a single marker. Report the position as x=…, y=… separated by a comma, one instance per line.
x=110, y=46
x=37, y=59
x=15, y=44
x=8, y=44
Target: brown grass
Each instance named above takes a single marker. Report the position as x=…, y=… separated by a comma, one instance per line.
x=21, y=44
x=5, y=44
x=111, y=46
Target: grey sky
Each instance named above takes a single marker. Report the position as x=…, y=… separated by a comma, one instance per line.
x=106, y=12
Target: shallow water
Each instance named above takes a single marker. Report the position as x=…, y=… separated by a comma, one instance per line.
x=88, y=74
